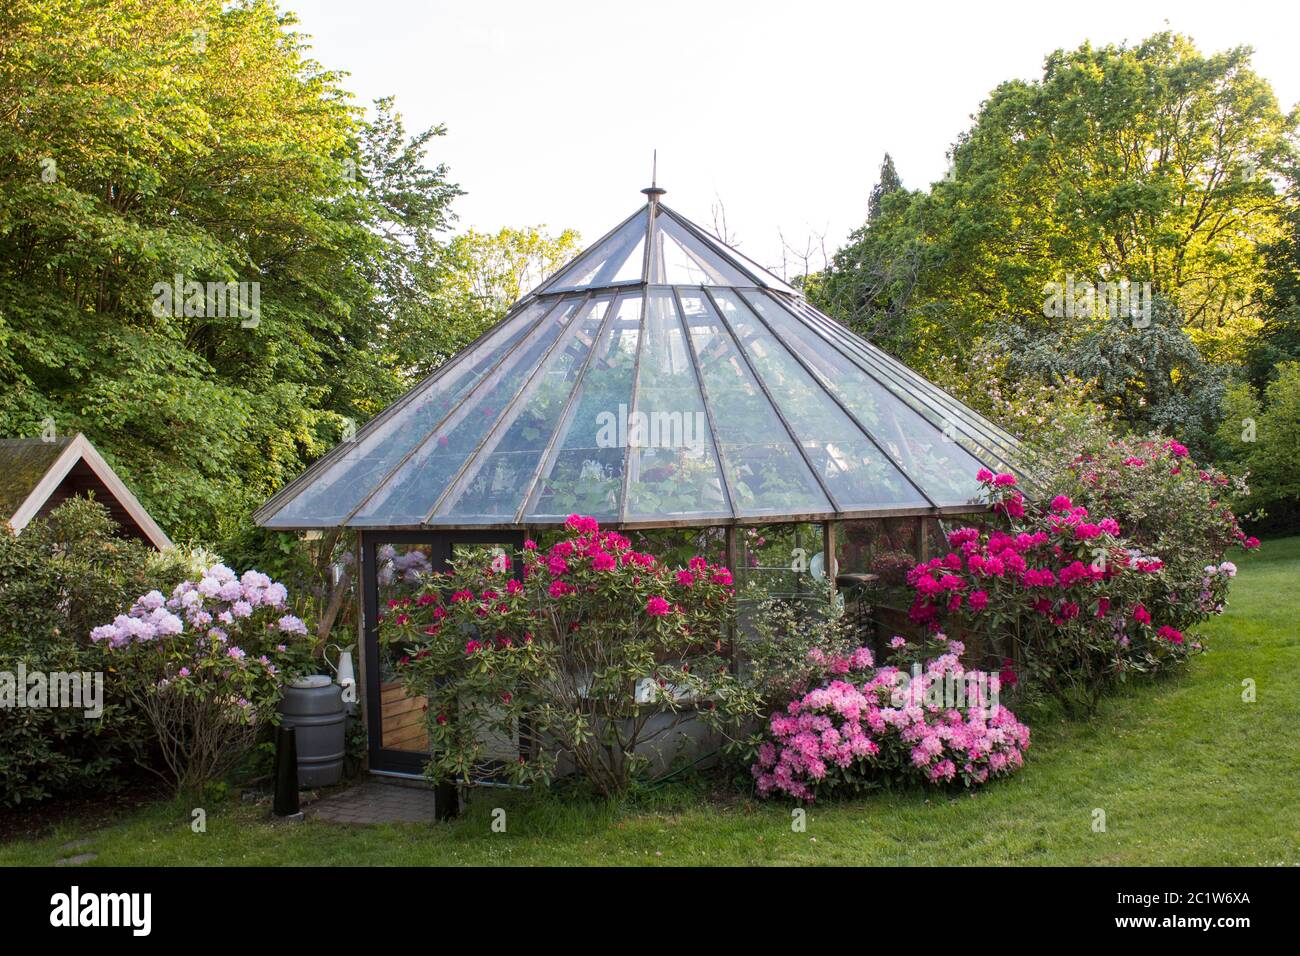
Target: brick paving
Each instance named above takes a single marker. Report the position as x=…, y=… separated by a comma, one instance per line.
x=374, y=802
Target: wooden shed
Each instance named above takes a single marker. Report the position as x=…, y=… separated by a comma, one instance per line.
x=36, y=476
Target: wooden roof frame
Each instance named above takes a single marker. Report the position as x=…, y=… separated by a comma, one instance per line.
x=79, y=449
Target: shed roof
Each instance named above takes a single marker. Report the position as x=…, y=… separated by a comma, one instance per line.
x=660, y=378
x=36, y=475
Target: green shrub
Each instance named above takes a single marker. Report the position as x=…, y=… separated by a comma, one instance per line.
x=1263, y=439
x=58, y=579
x=784, y=640
x=1166, y=505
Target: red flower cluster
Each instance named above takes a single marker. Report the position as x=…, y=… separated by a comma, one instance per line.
x=1047, y=562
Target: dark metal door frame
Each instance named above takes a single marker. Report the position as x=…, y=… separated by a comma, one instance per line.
x=440, y=544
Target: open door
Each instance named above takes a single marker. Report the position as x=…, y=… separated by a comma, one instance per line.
x=397, y=564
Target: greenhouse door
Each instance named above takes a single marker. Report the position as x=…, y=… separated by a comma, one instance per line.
x=396, y=564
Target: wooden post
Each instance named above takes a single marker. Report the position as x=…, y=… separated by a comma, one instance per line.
x=828, y=552
x=359, y=582
x=733, y=553
x=733, y=565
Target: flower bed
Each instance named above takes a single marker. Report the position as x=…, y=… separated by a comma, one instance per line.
x=1068, y=595
x=868, y=727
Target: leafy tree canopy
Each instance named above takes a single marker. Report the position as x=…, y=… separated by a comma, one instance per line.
x=1149, y=163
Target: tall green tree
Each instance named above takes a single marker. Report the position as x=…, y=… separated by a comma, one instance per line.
x=887, y=182
x=1151, y=163
x=145, y=140
x=482, y=274
x=1279, y=339
x=1260, y=435
x=873, y=281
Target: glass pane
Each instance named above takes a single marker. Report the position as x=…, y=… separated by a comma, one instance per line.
x=675, y=547
x=983, y=440
x=407, y=497
x=766, y=472
x=679, y=258
x=766, y=275
x=858, y=474
x=632, y=268
x=618, y=259
x=785, y=560
x=884, y=547
x=401, y=571
x=935, y=461
x=673, y=467
x=502, y=474
x=332, y=495
x=989, y=442
x=586, y=473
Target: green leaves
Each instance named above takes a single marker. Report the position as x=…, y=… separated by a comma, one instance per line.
x=139, y=142
x=1148, y=163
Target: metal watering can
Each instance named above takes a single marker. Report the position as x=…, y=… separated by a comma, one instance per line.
x=344, y=672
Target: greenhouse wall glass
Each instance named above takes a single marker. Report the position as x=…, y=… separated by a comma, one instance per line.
x=660, y=382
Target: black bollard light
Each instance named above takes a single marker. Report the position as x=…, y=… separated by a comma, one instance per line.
x=446, y=801
x=286, y=773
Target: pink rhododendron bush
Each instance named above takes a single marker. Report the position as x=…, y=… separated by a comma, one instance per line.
x=1067, y=592
x=588, y=654
x=205, y=666
x=866, y=727
x=1167, y=504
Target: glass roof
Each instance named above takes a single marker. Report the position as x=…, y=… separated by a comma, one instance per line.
x=661, y=377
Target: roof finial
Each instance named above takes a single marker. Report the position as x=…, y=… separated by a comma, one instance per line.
x=653, y=190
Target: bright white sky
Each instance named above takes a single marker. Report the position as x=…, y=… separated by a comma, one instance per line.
x=781, y=109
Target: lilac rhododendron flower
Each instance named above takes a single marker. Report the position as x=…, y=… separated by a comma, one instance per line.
x=105, y=632
x=221, y=573
x=151, y=601
x=291, y=625
x=255, y=580
x=205, y=632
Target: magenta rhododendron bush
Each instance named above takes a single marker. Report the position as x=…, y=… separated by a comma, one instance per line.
x=1067, y=591
x=870, y=726
x=585, y=655
x=1169, y=505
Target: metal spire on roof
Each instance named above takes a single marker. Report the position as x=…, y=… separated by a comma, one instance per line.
x=653, y=190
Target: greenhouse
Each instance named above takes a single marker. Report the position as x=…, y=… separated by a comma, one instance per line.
x=663, y=383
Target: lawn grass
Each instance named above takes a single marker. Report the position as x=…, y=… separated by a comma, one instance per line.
x=1186, y=772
